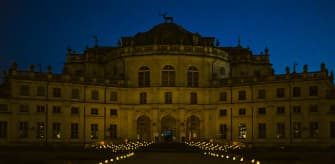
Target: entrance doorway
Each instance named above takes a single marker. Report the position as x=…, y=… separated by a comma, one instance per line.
x=168, y=129
x=143, y=128
x=193, y=128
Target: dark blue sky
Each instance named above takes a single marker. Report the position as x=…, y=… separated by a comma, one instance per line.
x=39, y=31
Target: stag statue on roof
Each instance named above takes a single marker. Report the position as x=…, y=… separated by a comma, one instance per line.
x=167, y=19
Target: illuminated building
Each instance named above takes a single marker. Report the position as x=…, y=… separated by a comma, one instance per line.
x=168, y=84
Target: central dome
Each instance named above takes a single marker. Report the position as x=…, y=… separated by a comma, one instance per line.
x=167, y=33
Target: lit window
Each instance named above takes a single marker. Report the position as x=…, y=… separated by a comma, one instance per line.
x=242, y=128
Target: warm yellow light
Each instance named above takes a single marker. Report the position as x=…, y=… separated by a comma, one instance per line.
x=241, y=159
x=253, y=161
x=227, y=156
x=106, y=161
x=258, y=162
x=234, y=158
x=111, y=159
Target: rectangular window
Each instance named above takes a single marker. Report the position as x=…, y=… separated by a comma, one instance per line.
x=56, y=130
x=74, y=130
x=193, y=96
x=24, y=90
x=223, y=131
x=40, y=91
x=242, y=111
x=168, y=97
x=280, y=110
x=296, y=109
x=56, y=92
x=3, y=129
x=94, y=95
x=113, y=112
x=143, y=98
x=23, y=129
x=261, y=111
x=223, y=112
x=223, y=96
x=40, y=130
x=242, y=95
x=313, y=91
x=314, y=129
x=113, y=131
x=332, y=129
x=297, y=129
x=261, y=130
x=75, y=93
x=24, y=108
x=280, y=92
x=40, y=108
x=296, y=92
x=74, y=110
x=280, y=130
x=56, y=109
x=94, y=111
x=313, y=108
x=261, y=94
x=242, y=128
x=94, y=131
x=113, y=96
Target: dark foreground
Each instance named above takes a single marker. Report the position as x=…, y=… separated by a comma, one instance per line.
x=162, y=154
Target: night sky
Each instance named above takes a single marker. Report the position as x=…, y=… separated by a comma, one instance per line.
x=40, y=31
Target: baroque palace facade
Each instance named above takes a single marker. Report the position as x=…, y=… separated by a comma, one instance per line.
x=167, y=84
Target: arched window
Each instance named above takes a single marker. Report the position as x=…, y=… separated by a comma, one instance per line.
x=192, y=77
x=144, y=77
x=168, y=76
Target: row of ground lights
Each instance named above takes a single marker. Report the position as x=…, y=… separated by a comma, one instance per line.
x=125, y=150
x=117, y=158
x=221, y=151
